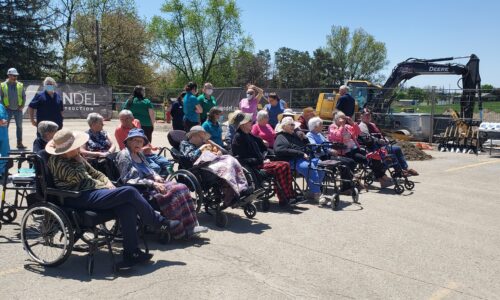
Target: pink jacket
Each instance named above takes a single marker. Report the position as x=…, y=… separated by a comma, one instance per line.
x=347, y=135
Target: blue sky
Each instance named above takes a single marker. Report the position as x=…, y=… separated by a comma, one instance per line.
x=421, y=29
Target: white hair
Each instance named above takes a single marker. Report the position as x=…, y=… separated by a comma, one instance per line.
x=93, y=118
x=287, y=121
x=262, y=114
x=344, y=87
x=125, y=112
x=339, y=115
x=314, y=122
x=49, y=80
x=45, y=127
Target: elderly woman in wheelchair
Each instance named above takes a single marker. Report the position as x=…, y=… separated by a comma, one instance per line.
x=72, y=172
x=171, y=198
x=320, y=147
x=289, y=146
x=345, y=131
x=199, y=150
x=251, y=151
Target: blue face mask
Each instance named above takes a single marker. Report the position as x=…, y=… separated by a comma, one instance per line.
x=50, y=88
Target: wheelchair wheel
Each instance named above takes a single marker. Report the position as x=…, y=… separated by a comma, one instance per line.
x=47, y=234
x=369, y=178
x=250, y=210
x=9, y=214
x=335, y=201
x=355, y=195
x=164, y=238
x=220, y=219
x=90, y=264
x=265, y=205
x=399, y=189
x=190, y=180
x=409, y=185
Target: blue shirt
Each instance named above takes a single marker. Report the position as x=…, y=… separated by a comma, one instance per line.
x=48, y=108
x=190, y=102
x=317, y=139
x=215, y=132
x=274, y=111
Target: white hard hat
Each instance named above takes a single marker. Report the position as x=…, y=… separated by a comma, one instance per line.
x=12, y=71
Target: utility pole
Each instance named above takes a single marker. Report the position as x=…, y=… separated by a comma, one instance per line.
x=98, y=52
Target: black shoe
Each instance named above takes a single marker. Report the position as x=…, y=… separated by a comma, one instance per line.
x=168, y=225
x=136, y=257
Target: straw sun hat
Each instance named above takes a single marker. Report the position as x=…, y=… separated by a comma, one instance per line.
x=65, y=141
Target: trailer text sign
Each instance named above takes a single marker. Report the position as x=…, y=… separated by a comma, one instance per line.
x=79, y=99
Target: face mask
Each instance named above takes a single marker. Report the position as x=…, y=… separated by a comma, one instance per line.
x=249, y=96
x=50, y=88
x=221, y=119
x=209, y=92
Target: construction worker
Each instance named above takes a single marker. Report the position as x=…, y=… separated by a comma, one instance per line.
x=13, y=98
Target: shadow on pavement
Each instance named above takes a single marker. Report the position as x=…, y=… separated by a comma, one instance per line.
x=236, y=223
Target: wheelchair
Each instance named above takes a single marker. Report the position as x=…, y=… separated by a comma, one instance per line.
x=383, y=153
x=50, y=230
x=22, y=183
x=332, y=168
x=206, y=186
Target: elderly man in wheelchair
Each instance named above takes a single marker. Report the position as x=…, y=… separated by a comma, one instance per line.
x=251, y=152
x=89, y=198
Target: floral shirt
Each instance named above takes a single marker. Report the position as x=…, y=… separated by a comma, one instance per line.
x=98, y=141
x=189, y=151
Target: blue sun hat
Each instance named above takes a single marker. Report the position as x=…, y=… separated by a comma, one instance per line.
x=136, y=132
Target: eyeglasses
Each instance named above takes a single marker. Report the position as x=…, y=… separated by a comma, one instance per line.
x=250, y=93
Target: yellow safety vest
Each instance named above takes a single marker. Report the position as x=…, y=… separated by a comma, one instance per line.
x=5, y=91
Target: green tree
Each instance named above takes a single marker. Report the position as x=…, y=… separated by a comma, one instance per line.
x=26, y=34
x=124, y=42
x=194, y=35
x=325, y=70
x=65, y=12
x=486, y=88
x=415, y=93
x=358, y=55
x=293, y=68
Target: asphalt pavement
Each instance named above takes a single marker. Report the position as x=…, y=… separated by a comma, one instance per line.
x=439, y=241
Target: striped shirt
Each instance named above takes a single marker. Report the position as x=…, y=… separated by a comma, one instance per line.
x=72, y=175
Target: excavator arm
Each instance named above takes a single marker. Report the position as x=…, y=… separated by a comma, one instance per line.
x=412, y=67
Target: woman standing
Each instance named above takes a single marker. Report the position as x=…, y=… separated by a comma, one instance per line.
x=207, y=101
x=249, y=104
x=212, y=126
x=142, y=109
x=192, y=108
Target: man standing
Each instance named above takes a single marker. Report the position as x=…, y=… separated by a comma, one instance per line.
x=346, y=102
x=13, y=98
x=47, y=105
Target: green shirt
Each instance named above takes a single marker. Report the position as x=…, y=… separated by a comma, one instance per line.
x=206, y=104
x=140, y=109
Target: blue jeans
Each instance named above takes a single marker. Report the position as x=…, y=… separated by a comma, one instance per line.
x=396, y=151
x=18, y=116
x=312, y=175
x=4, y=147
x=126, y=203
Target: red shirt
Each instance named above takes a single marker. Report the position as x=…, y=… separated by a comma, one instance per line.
x=121, y=133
